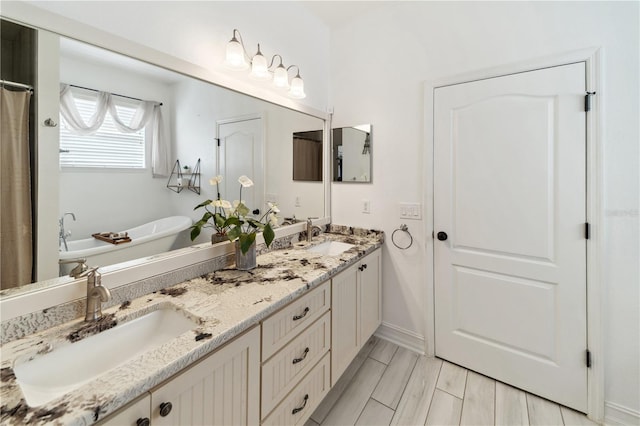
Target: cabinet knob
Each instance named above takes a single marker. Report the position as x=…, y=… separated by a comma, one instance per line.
x=143, y=421
x=362, y=267
x=165, y=409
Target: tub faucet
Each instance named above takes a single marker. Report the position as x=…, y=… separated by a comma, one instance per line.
x=97, y=294
x=62, y=237
x=311, y=228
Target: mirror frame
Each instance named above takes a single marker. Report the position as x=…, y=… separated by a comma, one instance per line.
x=41, y=295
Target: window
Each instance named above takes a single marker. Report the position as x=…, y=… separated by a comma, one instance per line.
x=108, y=147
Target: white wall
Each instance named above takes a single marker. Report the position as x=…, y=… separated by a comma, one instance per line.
x=198, y=32
x=404, y=44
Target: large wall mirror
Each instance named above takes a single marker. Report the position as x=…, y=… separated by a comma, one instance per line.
x=351, y=147
x=195, y=115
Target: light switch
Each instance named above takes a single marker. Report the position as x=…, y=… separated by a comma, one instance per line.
x=411, y=211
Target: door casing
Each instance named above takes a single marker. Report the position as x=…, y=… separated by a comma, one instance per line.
x=592, y=58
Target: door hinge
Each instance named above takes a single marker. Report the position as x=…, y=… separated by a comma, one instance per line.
x=588, y=358
x=587, y=231
x=218, y=141
x=587, y=101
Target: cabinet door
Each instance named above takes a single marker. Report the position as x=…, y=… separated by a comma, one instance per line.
x=345, y=341
x=131, y=414
x=222, y=389
x=369, y=289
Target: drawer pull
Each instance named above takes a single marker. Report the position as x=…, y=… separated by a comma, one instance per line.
x=165, y=409
x=304, y=355
x=302, y=315
x=143, y=421
x=298, y=409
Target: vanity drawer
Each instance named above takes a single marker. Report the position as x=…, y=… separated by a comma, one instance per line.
x=281, y=373
x=281, y=327
x=298, y=406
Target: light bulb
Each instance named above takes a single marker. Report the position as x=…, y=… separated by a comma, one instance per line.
x=297, y=88
x=280, y=77
x=259, y=67
x=235, y=55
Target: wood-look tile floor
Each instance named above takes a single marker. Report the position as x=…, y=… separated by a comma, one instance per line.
x=390, y=385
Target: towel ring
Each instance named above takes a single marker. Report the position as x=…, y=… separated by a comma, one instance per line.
x=403, y=228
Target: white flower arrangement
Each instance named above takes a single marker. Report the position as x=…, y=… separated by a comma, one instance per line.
x=231, y=219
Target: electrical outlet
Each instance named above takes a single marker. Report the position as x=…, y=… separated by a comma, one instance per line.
x=366, y=206
x=297, y=201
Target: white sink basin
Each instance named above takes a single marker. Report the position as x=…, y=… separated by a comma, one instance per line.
x=69, y=367
x=330, y=248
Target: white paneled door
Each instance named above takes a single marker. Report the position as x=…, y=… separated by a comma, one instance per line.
x=241, y=153
x=509, y=220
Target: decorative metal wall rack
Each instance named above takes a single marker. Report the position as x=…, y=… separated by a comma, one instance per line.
x=189, y=178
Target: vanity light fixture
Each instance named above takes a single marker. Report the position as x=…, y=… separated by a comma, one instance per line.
x=237, y=58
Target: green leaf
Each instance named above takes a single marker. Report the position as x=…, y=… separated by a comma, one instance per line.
x=195, y=231
x=219, y=220
x=202, y=204
x=234, y=233
x=246, y=240
x=233, y=221
x=242, y=210
x=268, y=234
x=254, y=223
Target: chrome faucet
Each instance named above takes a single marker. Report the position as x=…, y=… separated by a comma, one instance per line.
x=97, y=294
x=62, y=237
x=311, y=228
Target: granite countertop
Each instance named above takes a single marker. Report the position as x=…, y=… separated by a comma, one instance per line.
x=223, y=304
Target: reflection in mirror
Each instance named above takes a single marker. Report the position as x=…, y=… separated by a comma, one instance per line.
x=352, y=154
x=307, y=156
x=116, y=200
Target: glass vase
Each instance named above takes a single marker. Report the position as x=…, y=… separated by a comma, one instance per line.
x=245, y=261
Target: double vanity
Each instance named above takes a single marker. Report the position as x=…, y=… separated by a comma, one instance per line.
x=228, y=347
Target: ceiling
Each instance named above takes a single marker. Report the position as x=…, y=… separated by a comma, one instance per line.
x=337, y=13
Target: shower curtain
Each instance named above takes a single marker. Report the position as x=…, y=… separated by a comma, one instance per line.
x=15, y=203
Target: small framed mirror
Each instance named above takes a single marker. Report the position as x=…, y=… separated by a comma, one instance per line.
x=352, y=154
x=307, y=156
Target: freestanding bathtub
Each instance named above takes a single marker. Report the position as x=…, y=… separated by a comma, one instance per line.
x=148, y=239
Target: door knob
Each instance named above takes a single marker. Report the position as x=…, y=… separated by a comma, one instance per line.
x=442, y=236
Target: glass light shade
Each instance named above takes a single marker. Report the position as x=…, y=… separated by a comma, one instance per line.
x=259, y=67
x=281, y=77
x=235, y=55
x=297, y=88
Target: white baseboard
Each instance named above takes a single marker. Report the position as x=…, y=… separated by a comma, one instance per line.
x=401, y=337
x=617, y=415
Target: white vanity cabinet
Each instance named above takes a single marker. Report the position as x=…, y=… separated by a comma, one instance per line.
x=295, y=358
x=278, y=372
x=221, y=389
x=355, y=311
x=136, y=413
